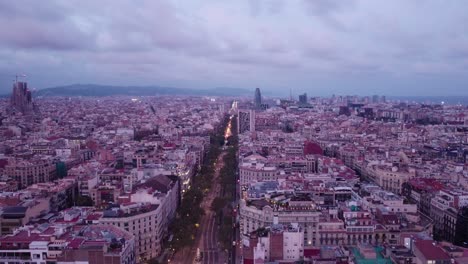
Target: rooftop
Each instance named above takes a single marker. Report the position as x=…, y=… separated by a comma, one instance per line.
x=117, y=212
x=430, y=250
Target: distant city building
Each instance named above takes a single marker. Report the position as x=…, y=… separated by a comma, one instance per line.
x=375, y=99
x=264, y=106
x=365, y=100
x=258, y=98
x=344, y=110
x=303, y=99
x=383, y=99
x=21, y=98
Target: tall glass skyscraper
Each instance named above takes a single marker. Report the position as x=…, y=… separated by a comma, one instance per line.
x=258, y=98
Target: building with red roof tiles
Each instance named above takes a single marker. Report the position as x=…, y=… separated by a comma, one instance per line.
x=427, y=251
x=312, y=148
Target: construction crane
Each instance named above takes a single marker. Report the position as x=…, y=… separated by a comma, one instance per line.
x=19, y=76
x=22, y=75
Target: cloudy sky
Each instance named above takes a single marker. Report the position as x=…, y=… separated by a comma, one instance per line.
x=397, y=47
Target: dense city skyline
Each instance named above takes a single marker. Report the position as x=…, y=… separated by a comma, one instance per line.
x=319, y=47
x=215, y=179
x=234, y=132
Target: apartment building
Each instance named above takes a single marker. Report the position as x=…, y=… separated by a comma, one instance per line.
x=275, y=243
x=390, y=178
x=68, y=244
x=144, y=221
x=260, y=213
x=28, y=172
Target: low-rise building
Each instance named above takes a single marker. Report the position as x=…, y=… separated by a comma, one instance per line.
x=68, y=243
x=278, y=243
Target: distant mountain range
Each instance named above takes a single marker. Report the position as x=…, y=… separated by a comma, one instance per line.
x=110, y=90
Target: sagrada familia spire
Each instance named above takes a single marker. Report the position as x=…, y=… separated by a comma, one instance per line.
x=21, y=98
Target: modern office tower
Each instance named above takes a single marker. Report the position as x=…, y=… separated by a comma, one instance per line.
x=344, y=110
x=258, y=98
x=375, y=99
x=303, y=99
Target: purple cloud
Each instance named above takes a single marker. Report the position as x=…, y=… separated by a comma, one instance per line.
x=219, y=43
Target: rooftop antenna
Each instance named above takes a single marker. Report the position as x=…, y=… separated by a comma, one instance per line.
x=290, y=94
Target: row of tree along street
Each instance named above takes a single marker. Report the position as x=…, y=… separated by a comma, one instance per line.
x=224, y=205
x=185, y=225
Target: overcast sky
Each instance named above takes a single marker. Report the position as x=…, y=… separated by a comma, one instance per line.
x=397, y=47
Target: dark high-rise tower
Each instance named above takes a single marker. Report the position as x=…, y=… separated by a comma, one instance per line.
x=303, y=99
x=375, y=99
x=21, y=99
x=258, y=98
